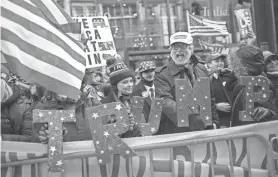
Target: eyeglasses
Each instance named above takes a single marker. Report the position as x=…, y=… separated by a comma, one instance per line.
x=179, y=46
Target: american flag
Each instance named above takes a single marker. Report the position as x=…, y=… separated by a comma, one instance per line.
x=39, y=43
x=199, y=26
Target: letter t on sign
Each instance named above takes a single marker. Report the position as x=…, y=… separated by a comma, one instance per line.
x=55, y=119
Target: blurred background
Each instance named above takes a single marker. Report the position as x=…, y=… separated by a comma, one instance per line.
x=141, y=28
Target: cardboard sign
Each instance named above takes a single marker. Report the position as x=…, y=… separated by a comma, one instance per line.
x=244, y=20
x=99, y=45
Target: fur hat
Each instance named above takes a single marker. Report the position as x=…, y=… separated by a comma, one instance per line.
x=118, y=70
x=248, y=60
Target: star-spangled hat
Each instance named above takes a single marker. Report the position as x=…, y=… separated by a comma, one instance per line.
x=146, y=65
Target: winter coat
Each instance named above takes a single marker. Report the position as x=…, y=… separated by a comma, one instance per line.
x=165, y=88
x=221, y=94
x=274, y=80
x=239, y=100
x=137, y=91
x=130, y=133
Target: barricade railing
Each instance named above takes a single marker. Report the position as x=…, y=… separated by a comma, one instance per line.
x=163, y=145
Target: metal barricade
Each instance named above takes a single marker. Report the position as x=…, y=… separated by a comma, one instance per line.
x=190, y=142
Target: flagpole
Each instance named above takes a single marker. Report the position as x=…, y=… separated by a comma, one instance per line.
x=188, y=21
x=169, y=18
x=123, y=23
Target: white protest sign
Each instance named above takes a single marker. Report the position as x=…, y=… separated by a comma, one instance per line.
x=100, y=44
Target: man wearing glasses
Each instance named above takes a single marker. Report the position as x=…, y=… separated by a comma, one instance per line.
x=182, y=65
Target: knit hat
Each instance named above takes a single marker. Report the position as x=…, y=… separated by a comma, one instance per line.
x=146, y=65
x=268, y=56
x=118, y=70
x=252, y=59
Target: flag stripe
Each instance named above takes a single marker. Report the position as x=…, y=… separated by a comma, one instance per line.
x=45, y=26
x=41, y=37
x=50, y=10
x=37, y=65
x=35, y=76
x=40, y=54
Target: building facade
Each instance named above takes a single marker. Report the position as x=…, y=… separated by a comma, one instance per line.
x=147, y=24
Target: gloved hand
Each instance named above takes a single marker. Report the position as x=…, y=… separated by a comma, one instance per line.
x=261, y=113
x=196, y=122
x=134, y=132
x=44, y=133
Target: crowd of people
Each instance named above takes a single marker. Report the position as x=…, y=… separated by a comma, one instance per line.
x=19, y=99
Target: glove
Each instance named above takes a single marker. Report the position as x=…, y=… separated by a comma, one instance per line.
x=134, y=132
x=196, y=122
x=261, y=113
x=44, y=133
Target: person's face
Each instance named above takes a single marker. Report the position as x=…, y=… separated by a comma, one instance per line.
x=272, y=65
x=148, y=74
x=125, y=86
x=216, y=64
x=97, y=78
x=181, y=53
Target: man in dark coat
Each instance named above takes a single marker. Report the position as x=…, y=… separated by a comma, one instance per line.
x=183, y=64
x=249, y=61
x=145, y=88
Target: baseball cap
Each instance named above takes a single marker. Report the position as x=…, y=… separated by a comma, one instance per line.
x=182, y=37
x=214, y=56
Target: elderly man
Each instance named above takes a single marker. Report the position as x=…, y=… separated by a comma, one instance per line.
x=183, y=65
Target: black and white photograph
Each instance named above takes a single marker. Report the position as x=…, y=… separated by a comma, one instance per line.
x=139, y=88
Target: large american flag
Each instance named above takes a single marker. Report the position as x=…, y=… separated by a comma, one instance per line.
x=40, y=43
x=199, y=26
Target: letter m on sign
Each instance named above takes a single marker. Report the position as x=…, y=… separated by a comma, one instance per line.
x=193, y=100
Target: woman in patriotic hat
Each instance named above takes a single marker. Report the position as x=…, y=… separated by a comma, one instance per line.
x=122, y=80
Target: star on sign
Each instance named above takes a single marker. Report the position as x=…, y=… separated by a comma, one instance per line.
x=181, y=87
x=62, y=119
x=95, y=115
x=118, y=107
x=101, y=151
x=152, y=129
x=182, y=121
x=106, y=134
x=51, y=123
x=71, y=115
x=59, y=163
x=253, y=78
x=105, y=106
x=207, y=117
x=52, y=149
x=49, y=112
x=263, y=88
x=206, y=97
x=127, y=152
x=259, y=80
x=264, y=95
x=195, y=99
x=97, y=142
x=40, y=114
x=99, y=161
